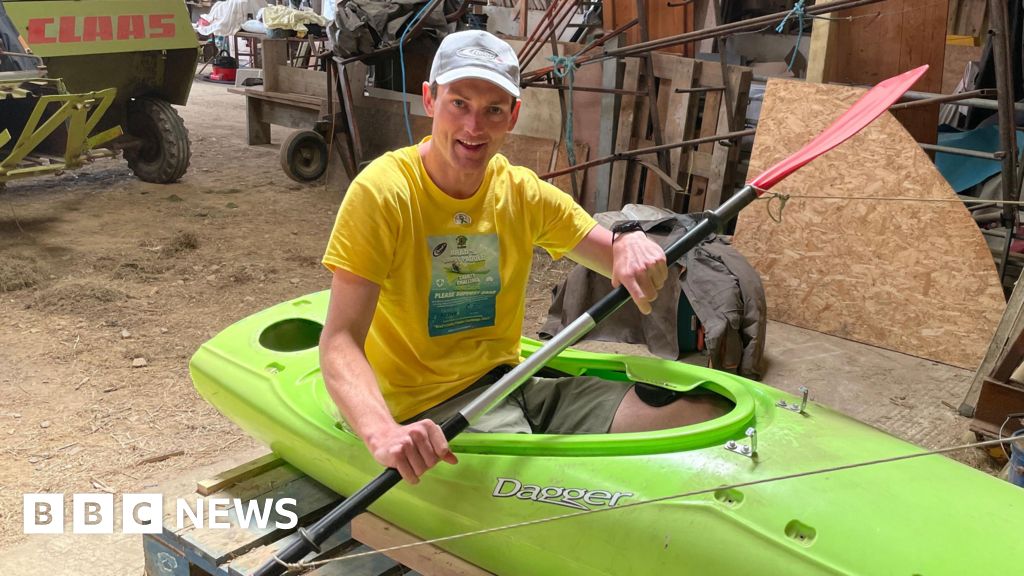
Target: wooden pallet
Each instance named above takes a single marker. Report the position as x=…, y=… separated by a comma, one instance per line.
x=705, y=174
x=239, y=551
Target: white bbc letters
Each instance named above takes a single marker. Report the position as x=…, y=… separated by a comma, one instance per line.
x=92, y=513
x=43, y=513
x=142, y=513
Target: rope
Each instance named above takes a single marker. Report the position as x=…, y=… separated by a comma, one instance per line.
x=316, y=563
x=783, y=198
x=401, y=61
x=565, y=68
x=798, y=11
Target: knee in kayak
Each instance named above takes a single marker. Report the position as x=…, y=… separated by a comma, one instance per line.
x=655, y=396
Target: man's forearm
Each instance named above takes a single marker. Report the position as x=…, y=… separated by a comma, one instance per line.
x=353, y=387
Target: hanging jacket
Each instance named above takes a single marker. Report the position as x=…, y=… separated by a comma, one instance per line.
x=725, y=291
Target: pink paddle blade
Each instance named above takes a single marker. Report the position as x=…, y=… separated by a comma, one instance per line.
x=862, y=113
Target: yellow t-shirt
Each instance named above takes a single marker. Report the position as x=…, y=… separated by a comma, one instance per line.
x=452, y=272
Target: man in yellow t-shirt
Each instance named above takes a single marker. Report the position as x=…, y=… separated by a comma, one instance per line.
x=431, y=254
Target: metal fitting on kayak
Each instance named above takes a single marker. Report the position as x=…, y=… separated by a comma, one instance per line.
x=794, y=407
x=750, y=451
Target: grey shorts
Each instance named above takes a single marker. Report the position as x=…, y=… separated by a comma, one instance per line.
x=568, y=405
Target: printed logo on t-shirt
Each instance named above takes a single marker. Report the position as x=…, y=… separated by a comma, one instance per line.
x=464, y=282
x=461, y=218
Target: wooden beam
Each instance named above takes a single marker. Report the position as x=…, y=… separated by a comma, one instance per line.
x=822, y=44
x=427, y=559
x=238, y=474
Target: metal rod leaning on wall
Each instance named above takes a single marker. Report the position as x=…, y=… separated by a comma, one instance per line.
x=531, y=38
x=539, y=84
x=557, y=20
x=999, y=37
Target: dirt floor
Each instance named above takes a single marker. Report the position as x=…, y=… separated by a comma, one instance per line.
x=108, y=284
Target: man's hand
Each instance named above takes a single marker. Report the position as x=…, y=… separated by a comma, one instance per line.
x=412, y=449
x=638, y=263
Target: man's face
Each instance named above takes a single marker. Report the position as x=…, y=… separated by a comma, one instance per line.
x=471, y=119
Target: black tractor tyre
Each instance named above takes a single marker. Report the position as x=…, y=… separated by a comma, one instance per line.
x=165, y=152
x=304, y=156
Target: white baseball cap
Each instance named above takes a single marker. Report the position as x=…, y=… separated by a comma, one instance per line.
x=476, y=54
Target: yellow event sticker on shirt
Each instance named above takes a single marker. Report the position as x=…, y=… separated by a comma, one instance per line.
x=464, y=282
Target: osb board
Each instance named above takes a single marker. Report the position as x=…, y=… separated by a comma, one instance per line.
x=915, y=277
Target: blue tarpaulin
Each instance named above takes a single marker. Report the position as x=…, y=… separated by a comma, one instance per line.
x=965, y=172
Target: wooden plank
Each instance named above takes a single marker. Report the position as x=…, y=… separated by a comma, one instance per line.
x=724, y=158
x=257, y=130
x=914, y=277
x=259, y=93
x=426, y=559
x=275, y=55
x=606, y=144
x=870, y=49
x=302, y=81
x=624, y=133
x=823, y=41
x=969, y=18
x=640, y=139
x=238, y=474
x=678, y=116
x=289, y=115
x=533, y=153
x=662, y=21
x=1010, y=326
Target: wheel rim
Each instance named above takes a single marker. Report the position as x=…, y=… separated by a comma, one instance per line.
x=307, y=160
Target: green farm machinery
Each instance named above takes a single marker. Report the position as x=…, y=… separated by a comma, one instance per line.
x=86, y=79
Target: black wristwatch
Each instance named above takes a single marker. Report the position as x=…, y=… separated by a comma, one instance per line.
x=625, y=227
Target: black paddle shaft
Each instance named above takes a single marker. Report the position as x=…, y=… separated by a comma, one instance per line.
x=308, y=539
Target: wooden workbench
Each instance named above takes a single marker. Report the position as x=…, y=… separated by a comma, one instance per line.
x=239, y=551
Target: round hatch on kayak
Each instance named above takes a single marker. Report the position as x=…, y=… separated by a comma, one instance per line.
x=291, y=335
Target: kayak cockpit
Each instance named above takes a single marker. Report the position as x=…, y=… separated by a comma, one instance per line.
x=293, y=340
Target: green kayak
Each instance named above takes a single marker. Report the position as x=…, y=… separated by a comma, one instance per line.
x=664, y=502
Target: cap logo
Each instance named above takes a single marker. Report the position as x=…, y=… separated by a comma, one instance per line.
x=477, y=53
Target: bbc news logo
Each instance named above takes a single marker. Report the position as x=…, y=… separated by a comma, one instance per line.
x=144, y=513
